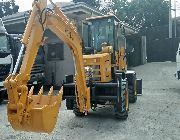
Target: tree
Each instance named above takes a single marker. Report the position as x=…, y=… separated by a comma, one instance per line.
x=121, y=9
x=8, y=8
x=138, y=13
x=151, y=13
x=105, y=6
x=142, y=13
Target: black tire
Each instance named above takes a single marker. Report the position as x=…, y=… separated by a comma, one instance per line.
x=132, y=89
x=1, y=96
x=132, y=94
x=122, y=107
x=69, y=104
x=77, y=112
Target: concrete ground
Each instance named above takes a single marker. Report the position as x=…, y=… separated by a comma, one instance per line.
x=156, y=114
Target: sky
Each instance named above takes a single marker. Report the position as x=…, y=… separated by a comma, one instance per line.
x=27, y=5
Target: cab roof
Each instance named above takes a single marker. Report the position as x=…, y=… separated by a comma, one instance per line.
x=102, y=17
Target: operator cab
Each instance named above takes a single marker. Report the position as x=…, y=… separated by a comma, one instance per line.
x=101, y=30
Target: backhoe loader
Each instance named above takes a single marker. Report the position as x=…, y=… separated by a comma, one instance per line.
x=101, y=75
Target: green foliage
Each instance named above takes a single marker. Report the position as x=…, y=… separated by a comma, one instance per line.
x=142, y=13
x=121, y=9
x=8, y=8
x=138, y=13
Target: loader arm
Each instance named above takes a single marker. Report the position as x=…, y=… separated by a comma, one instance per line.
x=39, y=113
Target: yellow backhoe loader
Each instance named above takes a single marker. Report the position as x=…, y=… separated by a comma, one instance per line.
x=101, y=73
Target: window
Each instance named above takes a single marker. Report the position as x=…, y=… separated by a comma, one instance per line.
x=4, y=42
x=55, y=52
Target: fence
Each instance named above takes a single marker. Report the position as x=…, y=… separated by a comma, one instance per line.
x=162, y=50
x=134, y=58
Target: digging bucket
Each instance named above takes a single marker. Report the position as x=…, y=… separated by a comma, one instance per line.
x=39, y=115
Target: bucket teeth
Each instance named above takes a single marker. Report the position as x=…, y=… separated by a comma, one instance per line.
x=60, y=91
x=40, y=95
x=31, y=91
x=41, y=91
x=50, y=91
x=39, y=113
x=30, y=94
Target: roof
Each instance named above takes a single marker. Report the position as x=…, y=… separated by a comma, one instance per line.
x=72, y=10
x=65, y=7
x=100, y=17
x=70, y=5
x=17, y=16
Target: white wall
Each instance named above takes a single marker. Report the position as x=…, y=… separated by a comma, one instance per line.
x=59, y=67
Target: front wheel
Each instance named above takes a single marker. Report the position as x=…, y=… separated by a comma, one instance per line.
x=121, y=106
x=132, y=94
x=132, y=88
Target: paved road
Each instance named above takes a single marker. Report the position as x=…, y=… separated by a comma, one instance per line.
x=156, y=114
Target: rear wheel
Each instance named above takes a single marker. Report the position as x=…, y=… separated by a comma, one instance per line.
x=132, y=88
x=121, y=106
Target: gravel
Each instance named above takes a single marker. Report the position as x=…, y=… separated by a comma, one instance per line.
x=155, y=115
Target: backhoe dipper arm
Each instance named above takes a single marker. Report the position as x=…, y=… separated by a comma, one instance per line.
x=60, y=25
x=38, y=113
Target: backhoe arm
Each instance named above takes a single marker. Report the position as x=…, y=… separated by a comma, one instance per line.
x=39, y=113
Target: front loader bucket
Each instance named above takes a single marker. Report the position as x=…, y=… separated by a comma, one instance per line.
x=39, y=116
